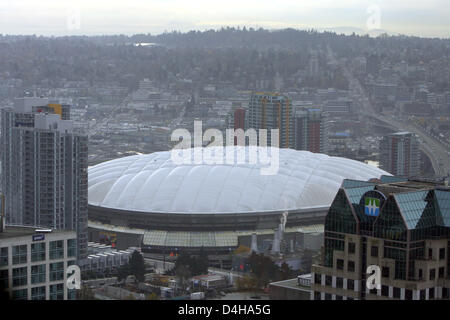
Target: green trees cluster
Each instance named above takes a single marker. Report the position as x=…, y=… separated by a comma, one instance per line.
x=266, y=270
x=187, y=266
x=135, y=267
x=195, y=264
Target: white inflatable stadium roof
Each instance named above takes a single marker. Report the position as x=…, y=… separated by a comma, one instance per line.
x=154, y=183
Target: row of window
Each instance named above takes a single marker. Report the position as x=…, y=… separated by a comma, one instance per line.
x=351, y=248
x=374, y=251
x=339, y=281
x=56, y=251
x=38, y=274
x=328, y=296
x=396, y=294
x=385, y=271
x=432, y=273
x=350, y=265
x=39, y=293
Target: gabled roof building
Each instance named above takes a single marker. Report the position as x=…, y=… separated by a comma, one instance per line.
x=400, y=226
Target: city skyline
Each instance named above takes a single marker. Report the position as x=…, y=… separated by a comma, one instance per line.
x=229, y=163
x=54, y=18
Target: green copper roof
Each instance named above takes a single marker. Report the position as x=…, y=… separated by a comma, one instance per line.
x=411, y=205
x=355, y=194
x=443, y=204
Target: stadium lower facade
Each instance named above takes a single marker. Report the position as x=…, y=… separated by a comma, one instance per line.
x=151, y=202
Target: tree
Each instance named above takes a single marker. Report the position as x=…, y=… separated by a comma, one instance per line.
x=196, y=265
x=263, y=268
x=123, y=273
x=246, y=282
x=137, y=266
x=201, y=263
x=183, y=274
x=285, y=271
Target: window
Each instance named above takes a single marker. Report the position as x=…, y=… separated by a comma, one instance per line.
x=72, y=247
x=350, y=284
x=396, y=293
x=57, y=292
x=328, y=280
x=4, y=256
x=327, y=296
x=408, y=294
x=422, y=294
x=351, y=247
x=432, y=274
x=38, y=293
x=385, y=272
x=441, y=272
x=340, y=264
x=317, y=278
x=385, y=291
x=441, y=253
x=374, y=251
x=430, y=253
x=19, y=254
x=56, y=271
x=431, y=293
x=339, y=282
x=56, y=249
x=373, y=291
x=445, y=293
x=4, y=282
x=19, y=277
x=38, y=274
x=20, y=294
x=71, y=294
x=38, y=252
x=351, y=266
x=71, y=262
x=339, y=298
x=317, y=295
x=420, y=274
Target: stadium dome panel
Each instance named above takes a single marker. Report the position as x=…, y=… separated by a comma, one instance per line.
x=154, y=183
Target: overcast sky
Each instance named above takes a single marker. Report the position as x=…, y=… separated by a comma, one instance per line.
x=427, y=18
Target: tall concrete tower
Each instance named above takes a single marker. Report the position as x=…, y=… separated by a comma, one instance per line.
x=272, y=111
x=399, y=154
x=44, y=168
x=310, y=130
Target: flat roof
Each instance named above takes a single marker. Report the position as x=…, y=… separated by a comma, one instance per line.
x=22, y=231
x=291, y=284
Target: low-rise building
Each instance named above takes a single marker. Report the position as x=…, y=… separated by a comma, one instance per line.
x=33, y=264
x=400, y=226
x=292, y=289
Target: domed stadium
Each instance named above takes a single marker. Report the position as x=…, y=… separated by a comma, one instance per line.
x=162, y=203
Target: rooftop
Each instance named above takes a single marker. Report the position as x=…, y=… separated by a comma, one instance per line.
x=291, y=284
x=156, y=183
x=22, y=231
